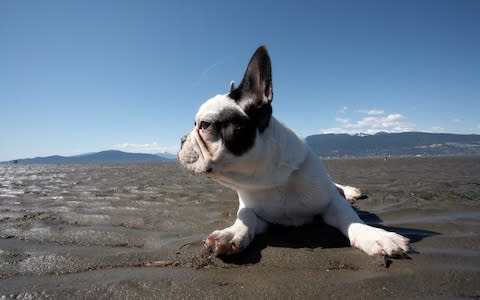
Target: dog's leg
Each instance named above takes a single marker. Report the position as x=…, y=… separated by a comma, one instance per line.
x=237, y=237
x=350, y=193
x=371, y=240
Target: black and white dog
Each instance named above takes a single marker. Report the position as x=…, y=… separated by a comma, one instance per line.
x=237, y=142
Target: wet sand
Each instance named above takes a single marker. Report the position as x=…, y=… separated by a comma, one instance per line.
x=118, y=231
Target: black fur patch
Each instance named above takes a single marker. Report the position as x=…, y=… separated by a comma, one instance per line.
x=260, y=115
x=237, y=131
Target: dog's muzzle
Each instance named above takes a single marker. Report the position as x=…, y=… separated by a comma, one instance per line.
x=187, y=154
x=192, y=157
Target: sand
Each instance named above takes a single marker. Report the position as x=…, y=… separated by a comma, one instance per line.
x=119, y=231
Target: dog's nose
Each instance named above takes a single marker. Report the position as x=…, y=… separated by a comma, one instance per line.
x=182, y=141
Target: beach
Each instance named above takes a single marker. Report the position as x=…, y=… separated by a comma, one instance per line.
x=120, y=231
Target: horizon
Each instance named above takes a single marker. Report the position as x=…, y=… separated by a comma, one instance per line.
x=167, y=154
x=130, y=76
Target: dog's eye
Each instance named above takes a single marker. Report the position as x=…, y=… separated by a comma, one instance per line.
x=204, y=125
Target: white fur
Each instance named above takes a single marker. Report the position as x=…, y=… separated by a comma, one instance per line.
x=351, y=193
x=281, y=181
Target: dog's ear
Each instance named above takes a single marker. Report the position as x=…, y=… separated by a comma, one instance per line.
x=255, y=93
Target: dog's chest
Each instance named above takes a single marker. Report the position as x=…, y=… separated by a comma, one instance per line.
x=282, y=205
x=305, y=194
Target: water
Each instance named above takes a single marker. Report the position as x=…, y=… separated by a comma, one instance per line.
x=139, y=210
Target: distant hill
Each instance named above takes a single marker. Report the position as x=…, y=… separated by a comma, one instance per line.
x=167, y=155
x=324, y=145
x=395, y=144
x=109, y=156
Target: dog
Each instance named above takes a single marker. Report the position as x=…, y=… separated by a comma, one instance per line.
x=237, y=142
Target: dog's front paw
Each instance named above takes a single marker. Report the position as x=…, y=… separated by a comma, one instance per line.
x=225, y=242
x=376, y=241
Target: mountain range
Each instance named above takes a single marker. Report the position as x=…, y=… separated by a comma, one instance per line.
x=394, y=144
x=324, y=145
x=108, y=156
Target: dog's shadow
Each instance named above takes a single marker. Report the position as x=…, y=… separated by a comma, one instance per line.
x=314, y=235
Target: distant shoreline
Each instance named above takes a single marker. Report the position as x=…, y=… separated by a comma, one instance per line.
x=174, y=161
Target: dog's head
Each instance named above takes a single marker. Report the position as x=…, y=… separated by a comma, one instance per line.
x=227, y=127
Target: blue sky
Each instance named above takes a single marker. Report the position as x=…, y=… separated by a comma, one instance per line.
x=83, y=76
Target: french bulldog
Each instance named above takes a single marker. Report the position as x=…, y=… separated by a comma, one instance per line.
x=237, y=142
